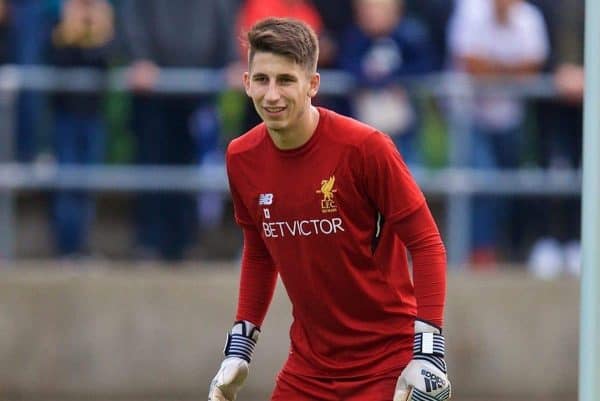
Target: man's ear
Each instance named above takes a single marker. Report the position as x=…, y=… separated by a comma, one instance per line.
x=246, y=81
x=315, y=83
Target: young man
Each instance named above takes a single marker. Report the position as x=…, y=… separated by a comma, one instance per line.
x=327, y=203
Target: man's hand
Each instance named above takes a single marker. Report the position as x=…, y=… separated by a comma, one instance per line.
x=228, y=380
x=234, y=368
x=422, y=381
x=143, y=75
x=425, y=378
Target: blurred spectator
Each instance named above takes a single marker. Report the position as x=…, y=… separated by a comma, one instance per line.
x=29, y=32
x=489, y=38
x=382, y=46
x=336, y=17
x=250, y=12
x=435, y=14
x=3, y=32
x=556, y=249
x=569, y=82
x=174, y=129
x=80, y=39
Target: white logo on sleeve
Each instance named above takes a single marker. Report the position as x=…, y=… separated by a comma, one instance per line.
x=265, y=199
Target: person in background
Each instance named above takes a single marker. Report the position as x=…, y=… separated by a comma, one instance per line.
x=174, y=129
x=337, y=17
x=3, y=32
x=435, y=15
x=556, y=222
x=29, y=31
x=381, y=47
x=252, y=11
x=81, y=38
x=490, y=38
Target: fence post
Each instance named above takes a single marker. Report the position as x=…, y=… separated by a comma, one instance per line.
x=8, y=96
x=589, y=348
x=458, y=220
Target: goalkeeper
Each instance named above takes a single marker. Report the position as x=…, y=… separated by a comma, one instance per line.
x=328, y=204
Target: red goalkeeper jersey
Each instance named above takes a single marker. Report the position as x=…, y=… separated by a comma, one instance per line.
x=322, y=216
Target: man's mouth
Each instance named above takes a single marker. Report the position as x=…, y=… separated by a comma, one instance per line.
x=274, y=110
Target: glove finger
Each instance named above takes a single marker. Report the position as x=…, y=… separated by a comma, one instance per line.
x=217, y=395
x=234, y=375
x=403, y=394
x=418, y=395
x=401, y=384
x=228, y=390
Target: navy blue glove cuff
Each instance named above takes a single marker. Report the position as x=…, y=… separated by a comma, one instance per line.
x=241, y=340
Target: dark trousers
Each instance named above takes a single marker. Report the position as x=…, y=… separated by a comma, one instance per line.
x=78, y=140
x=166, y=222
x=490, y=214
x=560, y=146
x=28, y=32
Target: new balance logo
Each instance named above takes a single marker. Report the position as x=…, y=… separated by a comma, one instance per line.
x=432, y=382
x=265, y=199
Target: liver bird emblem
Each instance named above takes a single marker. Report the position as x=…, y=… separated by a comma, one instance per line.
x=327, y=188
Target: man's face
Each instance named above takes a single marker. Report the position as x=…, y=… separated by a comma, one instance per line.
x=281, y=90
x=378, y=17
x=502, y=9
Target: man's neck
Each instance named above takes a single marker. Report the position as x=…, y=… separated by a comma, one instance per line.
x=297, y=136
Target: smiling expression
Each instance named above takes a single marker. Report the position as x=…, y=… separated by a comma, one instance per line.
x=281, y=91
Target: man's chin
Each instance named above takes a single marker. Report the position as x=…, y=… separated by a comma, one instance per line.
x=275, y=125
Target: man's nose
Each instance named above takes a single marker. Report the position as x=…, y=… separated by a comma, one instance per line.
x=272, y=93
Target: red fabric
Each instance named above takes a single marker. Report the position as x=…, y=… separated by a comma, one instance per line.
x=257, y=280
x=316, y=209
x=419, y=233
x=290, y=387
x=253, y=11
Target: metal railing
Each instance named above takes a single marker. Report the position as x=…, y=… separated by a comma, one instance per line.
x=456, y=183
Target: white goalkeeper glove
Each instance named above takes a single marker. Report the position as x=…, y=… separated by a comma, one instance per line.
x=425, y=378
x=234, y=368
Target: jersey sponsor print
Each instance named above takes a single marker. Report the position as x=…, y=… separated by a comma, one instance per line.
x=305, y=227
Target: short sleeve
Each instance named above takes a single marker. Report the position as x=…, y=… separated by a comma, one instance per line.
x=533, y=41
x=466, y=34
x=387, y=179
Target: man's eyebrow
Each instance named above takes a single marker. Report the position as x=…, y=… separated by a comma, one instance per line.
x=279, y=76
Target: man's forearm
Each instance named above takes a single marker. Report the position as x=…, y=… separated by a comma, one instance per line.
x=422, y=239
x=257, y=280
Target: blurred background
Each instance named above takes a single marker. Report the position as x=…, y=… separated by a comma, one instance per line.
x=118, y=250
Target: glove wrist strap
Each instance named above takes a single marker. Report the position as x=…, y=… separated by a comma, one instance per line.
x=241, y=340
x=429, y=344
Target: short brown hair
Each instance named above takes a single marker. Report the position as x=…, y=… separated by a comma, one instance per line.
x=285, y=37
